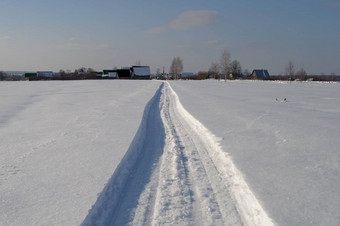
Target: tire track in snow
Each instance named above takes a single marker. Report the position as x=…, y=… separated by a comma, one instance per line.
x=132, y=186
x=174, y=173
x=227, y=182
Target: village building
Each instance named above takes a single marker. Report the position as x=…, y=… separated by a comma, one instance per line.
x=124, y=72
x=46, y=74
x=260, y=74
x=140, y=72
x=109, y=74
x=188, y=75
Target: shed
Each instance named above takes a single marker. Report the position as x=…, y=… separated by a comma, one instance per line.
x=124, y=73
x=141, y=72
x=110, y=73
x=47, y=74
x=260, y=74
x=29, y=75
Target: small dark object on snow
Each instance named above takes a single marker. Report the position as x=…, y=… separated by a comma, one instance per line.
x=285, y=99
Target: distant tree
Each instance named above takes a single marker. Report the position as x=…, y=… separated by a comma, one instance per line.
x=246, y=72
x=89, y=70
x=82, y=69
x=235, y=67
x=332, y=78
x=176, y=67
x=158, y=71
x=90, y=73
x=75, y=74
x=301, y=74
x=202, y=75
x=289, y=71
x=214, y=70
x=2, y=75
x=225, y=63
x=62, y=74
x=138, y=63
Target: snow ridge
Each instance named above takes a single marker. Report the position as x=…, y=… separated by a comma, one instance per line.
x=247, y=205
x=132, y=172
x=175, y=173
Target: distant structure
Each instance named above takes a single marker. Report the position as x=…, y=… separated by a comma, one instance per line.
x=260, y=74
x=45, y=74
x=124, y=72
x=140, y=72
x=29, y=75
x=134, y=72
x=188, y=75
x=109, y=74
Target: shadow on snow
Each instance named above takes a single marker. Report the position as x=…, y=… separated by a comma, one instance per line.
x=120, y=196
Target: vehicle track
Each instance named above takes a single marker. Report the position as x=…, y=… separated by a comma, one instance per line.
x=180, y=177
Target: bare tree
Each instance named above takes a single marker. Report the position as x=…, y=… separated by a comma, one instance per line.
x=202, y=75
x=332, y=78
x=90, y=70
x=301, y=74
x=246, y=72
x=176, y=67
x=138, y=63
x=2, y=75
x=225, y=63
x=214, y=70
x=289, y=71
x=235, y=67
x=82, y=69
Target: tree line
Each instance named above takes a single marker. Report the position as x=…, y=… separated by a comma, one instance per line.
x=227, y=68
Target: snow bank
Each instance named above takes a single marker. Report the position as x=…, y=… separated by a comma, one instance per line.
x=104, y=211
x=248, y=206
x=288, y=151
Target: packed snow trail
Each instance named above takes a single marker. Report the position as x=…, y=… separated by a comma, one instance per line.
x=175, y=173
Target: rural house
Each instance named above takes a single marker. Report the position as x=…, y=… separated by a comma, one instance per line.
x=140, y=72
x=260, y=74
x=46, y=74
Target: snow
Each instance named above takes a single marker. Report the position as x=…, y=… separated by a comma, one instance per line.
x=174, y=173
x=118, y=152
x=60, y=144
x=287, y=151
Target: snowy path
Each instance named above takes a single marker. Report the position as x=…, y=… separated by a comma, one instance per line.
x=175, y=173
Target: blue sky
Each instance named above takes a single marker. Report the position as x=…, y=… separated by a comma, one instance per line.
x=68, y=34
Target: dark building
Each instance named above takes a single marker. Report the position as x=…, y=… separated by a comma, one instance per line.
x=124, y=73
x=260, y=74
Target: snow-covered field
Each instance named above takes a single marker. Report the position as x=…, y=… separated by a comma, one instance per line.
x=60, y=144
x=289, y=152
x=183, y=152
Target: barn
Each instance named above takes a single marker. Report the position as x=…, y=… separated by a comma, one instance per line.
x=110, y=73
x=260, y=74
x=124, y=73
x=140, y=72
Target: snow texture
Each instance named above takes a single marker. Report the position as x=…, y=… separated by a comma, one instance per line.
x=60, y=143
x=288, y=151
x=146, y=153
x=174, y=173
